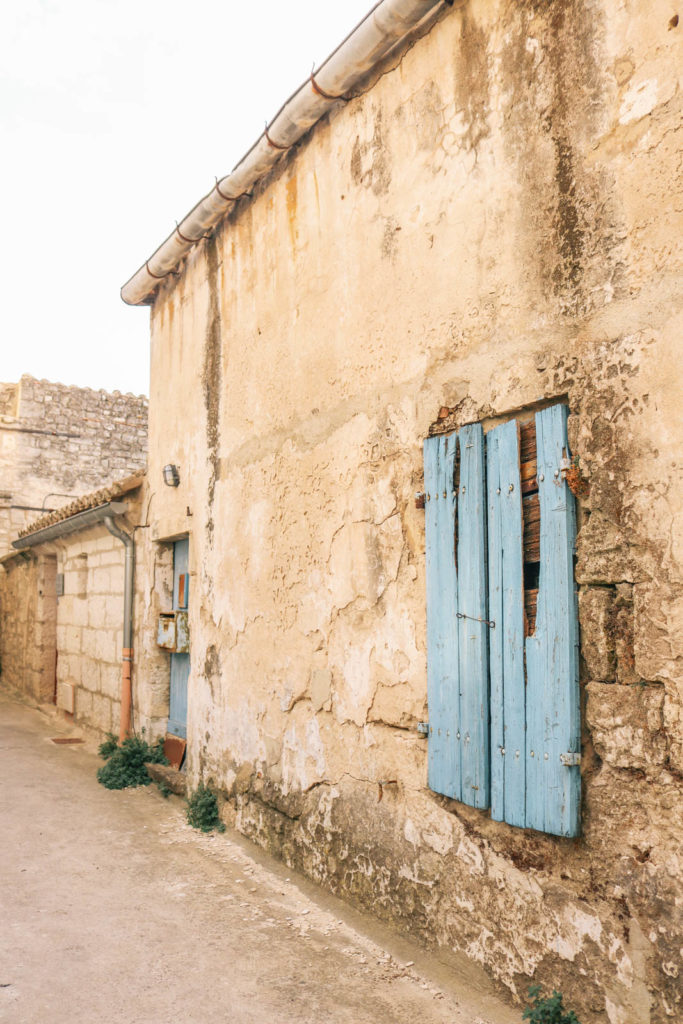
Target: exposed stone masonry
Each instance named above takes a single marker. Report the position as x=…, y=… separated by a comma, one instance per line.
x=58, y=442
x=28, y=610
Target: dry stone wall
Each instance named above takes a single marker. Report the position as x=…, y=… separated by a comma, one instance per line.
x=58, y=442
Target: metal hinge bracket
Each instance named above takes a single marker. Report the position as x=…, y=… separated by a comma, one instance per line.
x=423, y=728
x=570, y=759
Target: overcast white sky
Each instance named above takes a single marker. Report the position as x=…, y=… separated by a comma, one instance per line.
x=115, y=117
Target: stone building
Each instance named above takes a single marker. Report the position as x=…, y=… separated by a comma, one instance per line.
x=473, y=247
x=59, y=442
x=62, y=611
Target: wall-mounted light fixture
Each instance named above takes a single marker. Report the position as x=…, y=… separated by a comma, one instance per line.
x=171, y=477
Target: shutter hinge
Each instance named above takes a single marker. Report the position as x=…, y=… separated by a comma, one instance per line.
x=570, y=759
x=419, y=499
x=565, y=466
x=473, y=618
x=423, y=729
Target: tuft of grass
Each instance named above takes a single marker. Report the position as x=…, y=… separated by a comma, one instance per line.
x=106, y=749
x=125, y=764
x=202, y=810
x=547, y=1009
x=164, y=790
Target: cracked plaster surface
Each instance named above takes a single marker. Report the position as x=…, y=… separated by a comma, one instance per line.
x=509, y=238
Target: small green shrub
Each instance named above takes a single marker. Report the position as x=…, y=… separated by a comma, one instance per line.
x=164, y=790
x=106, y=749
x=125, y=765
x=548, y=1009
x=202, y=810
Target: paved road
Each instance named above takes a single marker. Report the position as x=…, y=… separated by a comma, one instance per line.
x=113, y=910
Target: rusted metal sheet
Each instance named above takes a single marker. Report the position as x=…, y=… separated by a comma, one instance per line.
x=174, y=750
x=182, y=590
x=166, y=631
x=182, y=639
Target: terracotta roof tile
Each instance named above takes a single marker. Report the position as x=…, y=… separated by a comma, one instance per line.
x=85, y=502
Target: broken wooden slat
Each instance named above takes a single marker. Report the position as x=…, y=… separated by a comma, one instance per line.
x=532, y=528
x=528, y=470
x=530, y=606
x=527, y=456
x=527, y=441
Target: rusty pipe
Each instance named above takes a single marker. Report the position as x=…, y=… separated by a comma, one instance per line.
x=127, y=651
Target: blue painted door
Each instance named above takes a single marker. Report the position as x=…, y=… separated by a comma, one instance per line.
x=180, y=663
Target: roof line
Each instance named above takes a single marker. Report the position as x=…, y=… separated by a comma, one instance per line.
x=383, y=28
x=72, y=524
x=84, y=503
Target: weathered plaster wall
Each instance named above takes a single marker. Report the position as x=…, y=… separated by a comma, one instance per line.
x=151, y=665
x=58, y=442
x=495, y=223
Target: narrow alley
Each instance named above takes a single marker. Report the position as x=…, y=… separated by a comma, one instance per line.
x=114, y=909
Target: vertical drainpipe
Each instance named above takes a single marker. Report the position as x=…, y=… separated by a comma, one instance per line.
x=127, y=652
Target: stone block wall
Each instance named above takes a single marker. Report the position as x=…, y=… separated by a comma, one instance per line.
x=67, y=648
x=58, y=442
x=28, y=619
x=90, y=637
x=89, y=628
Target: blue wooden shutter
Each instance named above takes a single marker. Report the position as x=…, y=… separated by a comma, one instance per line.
x=552, y=693
x=442, y=633
x=506, y=637
x=457, y=650
x=534, y=722
x=472, y=610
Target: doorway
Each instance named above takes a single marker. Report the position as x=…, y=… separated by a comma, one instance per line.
x=180, y=662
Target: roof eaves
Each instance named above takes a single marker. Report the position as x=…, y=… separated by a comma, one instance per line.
x=84, y=503
x=383, y=30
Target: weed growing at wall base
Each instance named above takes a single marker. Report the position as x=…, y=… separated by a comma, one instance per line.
x=125, y=765
x=107, y=748
x=202, y=810
x=547, y=1009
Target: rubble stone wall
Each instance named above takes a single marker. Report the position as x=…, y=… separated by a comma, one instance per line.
x=496, y=223
x=58, y=442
